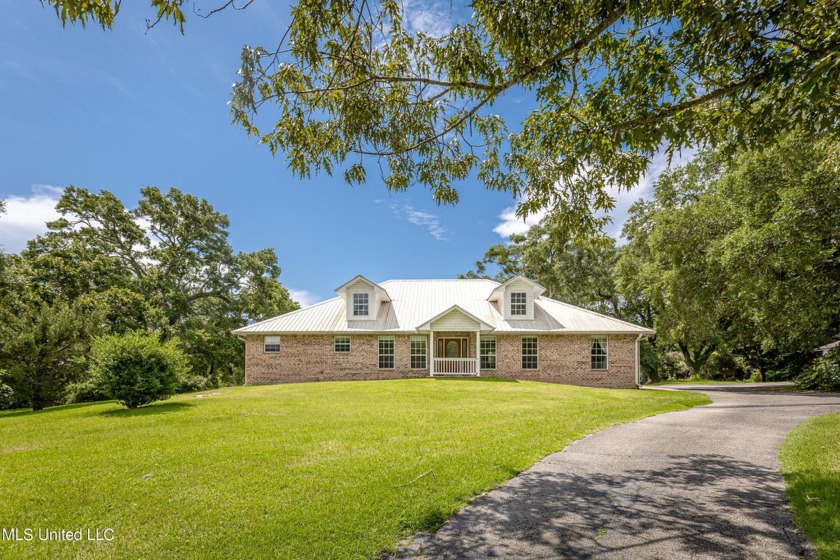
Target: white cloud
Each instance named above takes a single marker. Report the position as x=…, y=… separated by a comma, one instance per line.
x=420, y=218
x=430, y=221
x=27, y=216
x=304, y=298
x=511, y=224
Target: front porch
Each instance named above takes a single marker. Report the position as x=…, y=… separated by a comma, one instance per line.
x=454, y=354
x=455, y=343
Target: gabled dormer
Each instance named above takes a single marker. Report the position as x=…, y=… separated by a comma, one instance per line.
x=515, y=298
x=362, y=298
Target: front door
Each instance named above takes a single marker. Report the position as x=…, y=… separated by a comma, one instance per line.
x=451, y=347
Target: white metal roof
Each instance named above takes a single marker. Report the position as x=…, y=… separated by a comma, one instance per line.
x=830, y=346
x=416, y=302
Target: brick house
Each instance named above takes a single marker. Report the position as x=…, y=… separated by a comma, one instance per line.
x=421, y=328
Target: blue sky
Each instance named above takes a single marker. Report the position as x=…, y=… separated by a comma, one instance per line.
x=122, y=109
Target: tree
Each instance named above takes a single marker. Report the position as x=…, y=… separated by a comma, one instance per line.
x=136, y=368
x=2, y=259
x=573, y=270
x=42, y=349
x=665, y=262
x=781, y=257
x=740, y=255
x=165, y=265
x=351, y=84
x=103, y=12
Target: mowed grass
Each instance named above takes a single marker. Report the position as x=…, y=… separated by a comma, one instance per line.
x=811, y=465
x=317, y=470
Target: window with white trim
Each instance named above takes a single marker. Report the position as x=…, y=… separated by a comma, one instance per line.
x=488, y=353
x=271, y=344
x=386, y=352
x=530, y=352
x=418, y=352
x=600, y=352
x=360, y=305
x=518, y=303
x=342, y=344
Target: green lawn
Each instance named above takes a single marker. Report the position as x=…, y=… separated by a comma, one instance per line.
x=811, y=464
x=317, y=470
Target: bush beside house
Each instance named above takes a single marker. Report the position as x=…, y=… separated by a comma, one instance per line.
x=136, y=368
x=823, y=374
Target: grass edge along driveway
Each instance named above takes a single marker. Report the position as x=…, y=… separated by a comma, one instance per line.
x=310, y=470
x=810, y=458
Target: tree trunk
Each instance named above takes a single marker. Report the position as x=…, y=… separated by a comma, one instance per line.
x=36, y=398
x=36, y=402
x=696, y=359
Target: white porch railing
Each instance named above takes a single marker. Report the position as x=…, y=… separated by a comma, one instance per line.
x=454, y=366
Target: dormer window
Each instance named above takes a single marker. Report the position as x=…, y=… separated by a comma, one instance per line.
x=518, y=303
x=360, y=305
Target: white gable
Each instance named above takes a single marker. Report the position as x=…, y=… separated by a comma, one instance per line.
x=352, y=292
x=519, y=286
x=454, y=321
x=361, y=294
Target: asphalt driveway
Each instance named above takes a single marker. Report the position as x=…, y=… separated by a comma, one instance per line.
x=702, y=483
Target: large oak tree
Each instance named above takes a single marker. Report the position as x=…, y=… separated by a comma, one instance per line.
x=165, y=265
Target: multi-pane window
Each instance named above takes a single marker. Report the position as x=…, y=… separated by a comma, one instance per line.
x=530, y=352
x=271, y=344
x=488, y=353
x=360, y=305
x=386, y=352
x=599, y=352
x=418, y=352
x=518, y=303
x=342, y=344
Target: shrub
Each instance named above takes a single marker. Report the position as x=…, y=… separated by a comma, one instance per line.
x=191, y=383
x=7, y=397
x=85, y=391
x=724, y=366
x=823, y=374
x=673, y=366
x=136, y=368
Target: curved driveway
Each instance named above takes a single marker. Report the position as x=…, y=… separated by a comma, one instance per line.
x=701, y=483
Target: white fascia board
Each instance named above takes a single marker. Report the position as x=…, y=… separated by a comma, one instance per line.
x=500, y=289
x=379, y=290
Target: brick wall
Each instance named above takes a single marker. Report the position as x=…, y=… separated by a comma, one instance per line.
x=313, y=358
x=566, y=359
x=562, y=359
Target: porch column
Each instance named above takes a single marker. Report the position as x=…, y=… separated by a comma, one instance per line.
x=478, y=352
x=431, y=353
